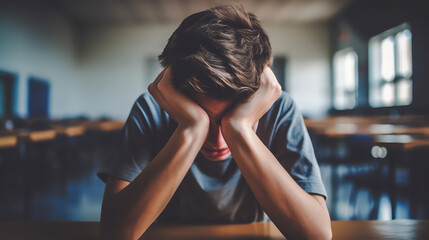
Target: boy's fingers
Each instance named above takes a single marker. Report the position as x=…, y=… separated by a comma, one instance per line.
x=159, y=78
x=159, y=98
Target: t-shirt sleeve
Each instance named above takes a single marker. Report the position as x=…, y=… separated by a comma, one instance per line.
x=142, y=132
x=293, y=148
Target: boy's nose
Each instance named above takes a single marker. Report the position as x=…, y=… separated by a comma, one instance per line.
x=215, y=138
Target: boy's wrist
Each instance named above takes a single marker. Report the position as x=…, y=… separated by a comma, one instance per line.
x=236, y=125
x=199, y=129
x=231, y=128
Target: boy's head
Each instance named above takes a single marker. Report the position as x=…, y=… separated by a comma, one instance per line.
x=218, y=53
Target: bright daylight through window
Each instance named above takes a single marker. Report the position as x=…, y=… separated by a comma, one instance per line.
x=345, y=79
x=391, y=68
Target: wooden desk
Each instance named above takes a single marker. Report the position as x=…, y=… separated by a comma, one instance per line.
x=26, y=135
x=341, y=130
x=393, y=136
x=402, y=141
x=396, y=144
x=346, y=126
x=104, y=126
x=8, y=141
x=11, y=138
x=350, y=230
x=70, y=131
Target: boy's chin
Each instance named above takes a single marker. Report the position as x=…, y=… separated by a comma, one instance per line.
x=216, y=158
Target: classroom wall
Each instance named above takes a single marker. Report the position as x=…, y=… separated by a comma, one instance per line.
x=37, y=41
x=114, y=67
x=306, y=48
x=119, y=62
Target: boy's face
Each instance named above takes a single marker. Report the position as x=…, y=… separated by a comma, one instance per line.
x=214, y=148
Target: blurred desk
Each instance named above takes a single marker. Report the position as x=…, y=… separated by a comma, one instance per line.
x=396, y=229
x=387, y=140
x=105, y=126
x=27, y=135
x=41, y=161
x=11, y=138
x=339, y=130
x=70, y=131
x=395, y=145
x=402, y=141
x=8, y=141
x=343, y=126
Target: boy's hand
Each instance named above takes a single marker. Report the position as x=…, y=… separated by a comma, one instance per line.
x=247, y=113
x=182, y=109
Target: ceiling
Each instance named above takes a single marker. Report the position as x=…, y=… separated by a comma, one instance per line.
x=95, y=12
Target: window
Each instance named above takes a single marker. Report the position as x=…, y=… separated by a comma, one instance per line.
x=391, y=68
x=345, y=79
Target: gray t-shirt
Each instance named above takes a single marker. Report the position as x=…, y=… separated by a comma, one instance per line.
x=216, y=192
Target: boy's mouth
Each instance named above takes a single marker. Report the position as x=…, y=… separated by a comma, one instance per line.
x=215, y=152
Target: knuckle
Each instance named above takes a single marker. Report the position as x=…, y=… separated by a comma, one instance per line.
x=204, y=118
x=161, y=86
x=277, y=90
x=152, y=87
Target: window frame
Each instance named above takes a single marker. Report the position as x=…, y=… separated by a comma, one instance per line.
x=355, y=92
x=375, y=78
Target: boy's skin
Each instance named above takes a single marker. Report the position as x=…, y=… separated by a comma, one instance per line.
x=207, y=125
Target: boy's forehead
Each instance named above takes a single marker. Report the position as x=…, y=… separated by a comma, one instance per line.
x=212, y=105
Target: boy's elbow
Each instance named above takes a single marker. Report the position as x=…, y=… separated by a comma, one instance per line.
x=326, y=234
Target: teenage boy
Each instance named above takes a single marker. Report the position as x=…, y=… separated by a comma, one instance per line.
x=216, y=140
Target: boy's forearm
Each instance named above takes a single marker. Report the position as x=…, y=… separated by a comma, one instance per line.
x=131, y=211
x=296, y=213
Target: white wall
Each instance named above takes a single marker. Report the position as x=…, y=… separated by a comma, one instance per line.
x=308, y=65
x=37, y=41
x=114, y=72
x=113, y=66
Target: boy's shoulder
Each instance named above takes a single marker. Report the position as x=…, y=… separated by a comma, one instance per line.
x=284, y=106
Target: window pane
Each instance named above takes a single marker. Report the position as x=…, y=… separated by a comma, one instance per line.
x=388, y=94
x=350, y=71
x=404, y=91
x=345, y=79
x=387, y=59
x=404, y=53
x=390, y=67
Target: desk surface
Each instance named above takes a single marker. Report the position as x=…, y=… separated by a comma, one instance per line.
x=345, y=126
x=396, y=229
x=402, y=141
x=8, y=141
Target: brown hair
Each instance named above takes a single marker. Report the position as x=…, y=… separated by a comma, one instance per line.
x=219, y=53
